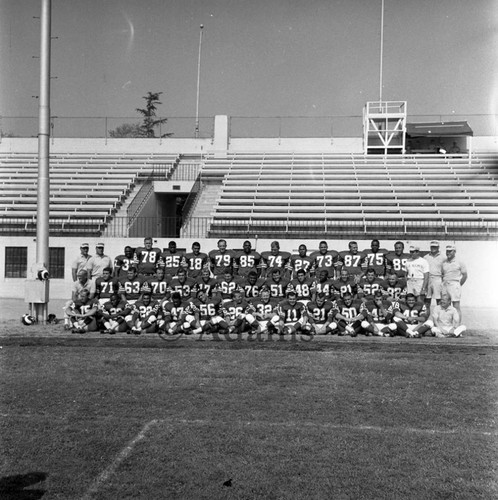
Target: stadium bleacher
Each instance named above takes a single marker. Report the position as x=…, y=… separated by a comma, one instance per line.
x=85, y=189
x=343, y=194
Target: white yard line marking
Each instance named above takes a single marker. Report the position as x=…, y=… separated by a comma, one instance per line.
x=265, y=423
x=103, y=477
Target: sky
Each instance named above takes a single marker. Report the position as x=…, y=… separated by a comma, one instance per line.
x=259, y=57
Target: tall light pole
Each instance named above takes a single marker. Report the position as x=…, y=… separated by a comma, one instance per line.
x=381, y=50
x=43, y=195
x=201, y=27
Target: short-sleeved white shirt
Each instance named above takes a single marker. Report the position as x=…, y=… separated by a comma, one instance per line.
x=453, y=270
x=435, y=264
x=416, y=268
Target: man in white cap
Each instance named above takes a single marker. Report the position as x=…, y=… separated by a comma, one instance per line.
x=435, y=259
x=81, y=261
x=96, y=264
x=417, y=274
x=454, y=275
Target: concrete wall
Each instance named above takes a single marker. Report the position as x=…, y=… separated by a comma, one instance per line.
x=480, y=258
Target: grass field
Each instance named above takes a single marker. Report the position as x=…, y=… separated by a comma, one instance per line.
x=113, y=418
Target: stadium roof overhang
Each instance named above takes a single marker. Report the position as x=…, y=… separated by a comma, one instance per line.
x=438, y=129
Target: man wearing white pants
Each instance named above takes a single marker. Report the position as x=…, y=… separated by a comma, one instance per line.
x=417, y=274
x=454, y=274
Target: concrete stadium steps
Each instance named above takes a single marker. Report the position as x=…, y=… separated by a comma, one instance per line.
x=318, y=189
x=86, y=189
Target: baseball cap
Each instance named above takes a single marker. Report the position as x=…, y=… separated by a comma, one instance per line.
x=450, y=247
x=99, y=245
x=434, y=243
x=414, y=248
x=84, y=245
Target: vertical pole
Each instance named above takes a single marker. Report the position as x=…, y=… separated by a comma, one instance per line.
x=381, y=51
x=42, y=214
x=201, y=27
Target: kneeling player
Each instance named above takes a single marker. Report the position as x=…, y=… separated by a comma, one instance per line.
x=348, y=315
x=378, y=314
x=82, y=313
x=411, y=317
x=144, y=315
x=113, y=314
x=321, y=315
x=293, y=316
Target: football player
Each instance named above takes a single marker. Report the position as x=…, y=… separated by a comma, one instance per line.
x=274, y=259
x=159, y=285
x=144, y=315
x=236, y=311
x=183, y=284
x=322, y=284
x=147, y=258
x=113, y=314
x=348, y=315
x=325, y=259
x=172, y=260
x=301, y=260
x=352, y=260
x=369, y=283
x=208, y=314
x=105, y=286
x=130, y=288
x=293, y=315
x=206, y=282
x=396, y=261
x=321, y=316
x=378, y=314
x=375, y=258
x=82, y=313
x=264, y=311
x=172, y=314
x=345, y=283
x=227, y=283
x=302, y=284
x=276, y=283
x=394, y=287
x=123, y=262
x=410, y=317
x=247, y=260
x=221, y=258
x=196, y=260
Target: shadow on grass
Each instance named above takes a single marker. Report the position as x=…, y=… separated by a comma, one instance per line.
x=14, y=487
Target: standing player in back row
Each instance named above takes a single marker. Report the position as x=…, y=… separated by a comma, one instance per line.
x=352, y=260
x=196, y=260
x=325, y=259
x=147, y=258
x=247, y=260
x=396, y=261
x=375, y=258
x=221, y=258
x=274, y=259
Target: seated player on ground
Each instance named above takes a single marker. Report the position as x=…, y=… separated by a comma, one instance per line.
x=321, y=316
x=113, y=314
x=265, y=311
x=207, y=314
x=444, y=320
x=237, y=314
x=348, y=315
x=144, y=315
x=293, y=315
x=411, y=317
x=172, y=314
x=82, y=313
x=378, y=314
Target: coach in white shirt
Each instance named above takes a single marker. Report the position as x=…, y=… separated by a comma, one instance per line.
x=435, y=259
x=454, y=276
x=417, y=274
